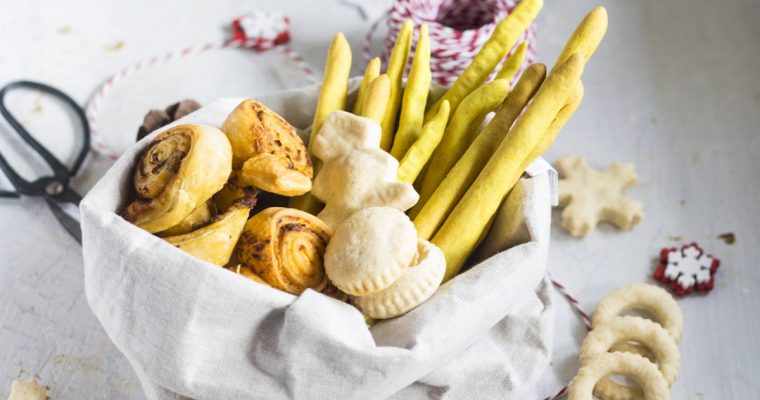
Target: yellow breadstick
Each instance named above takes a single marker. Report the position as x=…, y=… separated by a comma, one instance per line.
x=548, y=138
x=458, y=236
x=502, y=39
x=395, y=70
x=334, y=90
x=370, y=73
x=376, y=99
x=464, y=123
x=419, y=153
x=415, y=97
x=332, y=96
x=587, y=36
x=513, y=63
x=559, y=121
x=428, y=216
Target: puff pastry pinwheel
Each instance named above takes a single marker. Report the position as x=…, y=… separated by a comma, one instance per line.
x=199, y=217
x=215, y=242
x=267, y=150
x=285, y=247
x=233, y=190
x=179, y=171
x=246, y=272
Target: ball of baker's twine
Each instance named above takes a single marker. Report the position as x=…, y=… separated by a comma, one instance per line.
x=458, y=29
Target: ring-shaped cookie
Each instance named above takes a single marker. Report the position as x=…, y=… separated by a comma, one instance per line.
x=645, y=297
x=645, y=373
x=635, y=348
x=644, y=331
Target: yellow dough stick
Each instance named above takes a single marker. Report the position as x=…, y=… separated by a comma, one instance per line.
x=332, y=96
x=556, y=126
x=370, y=73
x=513, y=63
x=587, y=36
x=502, y=39
x=428, y=216
x=395, y=70
x=334, y=90
x=376, y=99
x=419, y=154
x=458, y=236
x=415, y=97
x=562, y=117
x=464, y=123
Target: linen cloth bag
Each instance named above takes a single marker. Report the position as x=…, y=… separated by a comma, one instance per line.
x=192, y=330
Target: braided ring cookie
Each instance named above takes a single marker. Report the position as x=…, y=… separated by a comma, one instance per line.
x=645, y=297
x=412, y=289
x=370, y=250
x=635, y=348
x=644, y=331
x=646, y=374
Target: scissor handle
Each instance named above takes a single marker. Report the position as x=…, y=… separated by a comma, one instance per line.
x=61, y=172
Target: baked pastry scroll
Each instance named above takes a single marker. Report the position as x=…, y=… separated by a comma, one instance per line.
x=285, y=247
x=179, y=171
x=267, y=150
x=216, y=241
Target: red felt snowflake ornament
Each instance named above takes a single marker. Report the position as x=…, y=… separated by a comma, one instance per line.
x=687, y=269
x=261, y=30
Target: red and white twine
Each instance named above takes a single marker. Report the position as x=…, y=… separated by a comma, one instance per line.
x=258, y=31
x=582, y=314
x=458, y=29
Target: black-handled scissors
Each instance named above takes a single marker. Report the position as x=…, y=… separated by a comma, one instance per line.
x=53, y=188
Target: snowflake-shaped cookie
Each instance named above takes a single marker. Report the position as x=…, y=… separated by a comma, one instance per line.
x=261, y=30
x=356, y=174
x=687, y=269
x=591, y=196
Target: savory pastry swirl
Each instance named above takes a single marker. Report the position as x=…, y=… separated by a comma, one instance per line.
x=179, y=171
x=233, y=190
x=216, y=242
x=267, y=150
x=199, y=217
x=285, y=247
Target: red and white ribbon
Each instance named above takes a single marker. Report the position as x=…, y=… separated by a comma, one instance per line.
x=458, y=29
x=257, y=31
x=582, y=314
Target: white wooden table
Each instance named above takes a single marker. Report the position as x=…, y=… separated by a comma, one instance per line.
x=674, y=88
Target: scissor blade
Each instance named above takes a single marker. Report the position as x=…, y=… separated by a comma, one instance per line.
x=69, y=223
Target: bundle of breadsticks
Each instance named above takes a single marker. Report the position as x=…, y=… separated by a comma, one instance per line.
x=462, y=169
x=404, y=184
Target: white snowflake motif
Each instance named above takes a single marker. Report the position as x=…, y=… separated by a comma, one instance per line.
x=263, y=25
x=688, y=267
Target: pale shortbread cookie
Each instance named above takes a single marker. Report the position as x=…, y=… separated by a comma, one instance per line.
x=645, y=373
x=28, y=390
x=649, y=334
x=356, y=173
x=412, y=289
x=370, y=250
x=591, y=196
x=642, y=297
